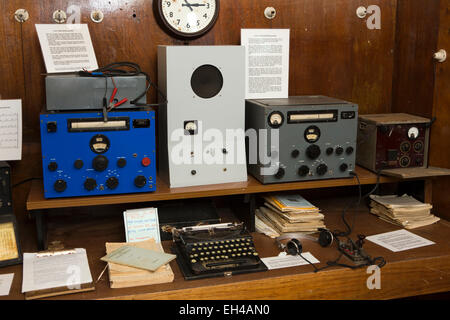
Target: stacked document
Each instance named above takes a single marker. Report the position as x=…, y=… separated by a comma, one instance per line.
x=283, y=213
x=404, y=211
x=122, y=274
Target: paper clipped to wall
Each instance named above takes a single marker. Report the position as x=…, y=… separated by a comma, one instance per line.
x=10, y=130
x=66, y=47
x=266, y=63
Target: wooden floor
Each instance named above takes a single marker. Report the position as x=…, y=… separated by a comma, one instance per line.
x=414, y=272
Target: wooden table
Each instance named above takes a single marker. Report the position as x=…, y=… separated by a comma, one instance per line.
x=419, y=271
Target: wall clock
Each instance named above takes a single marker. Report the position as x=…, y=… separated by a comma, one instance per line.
x=187, y=19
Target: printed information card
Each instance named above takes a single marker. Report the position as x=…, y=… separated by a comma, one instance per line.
x=141, y=224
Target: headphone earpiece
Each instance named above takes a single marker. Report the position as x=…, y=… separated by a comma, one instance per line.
x=294, y=247
x=325, y=238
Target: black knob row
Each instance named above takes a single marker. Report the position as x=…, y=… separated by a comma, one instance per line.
x=304, y=170
x=99, y=163
x=90, y=184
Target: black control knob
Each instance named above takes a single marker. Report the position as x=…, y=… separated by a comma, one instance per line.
x=140, y=181
x=329, y=151
x=60, y=185
x=52, y=166
x=295, y=153
x=322, y=169
x=349, y=150
x=112, y=183
x=343, y=167
x=280, y=173
x=303, y=171
x=121, y=163
x=339, y=151
x=90, y=184
x=313, y=151
x=100, y=163
x=78, y=164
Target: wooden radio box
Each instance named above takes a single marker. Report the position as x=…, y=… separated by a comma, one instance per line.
x=395, y=140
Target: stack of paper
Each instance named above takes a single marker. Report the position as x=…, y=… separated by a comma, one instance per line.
x=123, y=276
x=404, y=211
x=288, y=213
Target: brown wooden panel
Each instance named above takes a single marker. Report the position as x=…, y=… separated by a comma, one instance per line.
x=440, y=132
x=416, y=39
x=332, y=51
x=11, y=75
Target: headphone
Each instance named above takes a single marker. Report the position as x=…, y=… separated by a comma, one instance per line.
x=294, y=246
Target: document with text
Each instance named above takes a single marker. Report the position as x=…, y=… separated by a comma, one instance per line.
x=267, y=63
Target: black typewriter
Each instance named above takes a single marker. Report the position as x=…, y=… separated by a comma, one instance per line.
x=215, y=250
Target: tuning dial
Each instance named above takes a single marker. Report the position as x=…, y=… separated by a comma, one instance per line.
x=280, y=173
x=112, y=183
x=322, y=169
x=60, y=185
x=295, y=153
x=52, y=166
x=303, y=171
x=140, y=181
x=343, y=167
x=90, y=184
x=100, y=163
x=313, y=151
x=339, y=151
x=330, y=151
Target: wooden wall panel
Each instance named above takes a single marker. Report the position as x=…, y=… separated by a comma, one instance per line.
x=416, y=40
x=11, y=75
x=332, y=51
x=440, y=133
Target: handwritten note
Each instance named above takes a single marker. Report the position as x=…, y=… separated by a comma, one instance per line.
x=141, y=224
x=10, y=130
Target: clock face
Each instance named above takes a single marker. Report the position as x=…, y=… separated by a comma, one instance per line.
x=189, y=18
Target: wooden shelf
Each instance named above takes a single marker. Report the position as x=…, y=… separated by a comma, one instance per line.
x=36, y=200
x=419, y=271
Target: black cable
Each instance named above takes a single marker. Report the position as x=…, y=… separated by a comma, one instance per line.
x=25, y=181
x=116, y=69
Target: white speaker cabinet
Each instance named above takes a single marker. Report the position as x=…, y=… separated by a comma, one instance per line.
x=202, y=127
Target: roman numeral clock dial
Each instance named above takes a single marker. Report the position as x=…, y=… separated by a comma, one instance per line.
x=187, y=19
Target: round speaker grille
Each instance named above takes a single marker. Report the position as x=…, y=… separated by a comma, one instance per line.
x=207, y=81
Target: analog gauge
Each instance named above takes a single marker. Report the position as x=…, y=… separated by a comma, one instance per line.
x=187, y=19
x=276, y=119
x=190, y=127
x=413, y=133
x=99, y=143
x=312, y=134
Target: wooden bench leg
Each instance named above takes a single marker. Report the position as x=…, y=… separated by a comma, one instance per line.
x=41, y=229
x=428, y=191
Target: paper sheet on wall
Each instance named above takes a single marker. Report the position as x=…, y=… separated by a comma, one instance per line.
x=399, y=240
x=10, y=130
x=267, y=63
x=142, y=224
x=66, y=47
